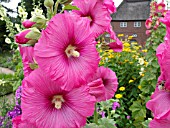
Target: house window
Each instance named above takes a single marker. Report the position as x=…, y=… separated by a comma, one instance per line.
x=137, y=24
x=123, y=24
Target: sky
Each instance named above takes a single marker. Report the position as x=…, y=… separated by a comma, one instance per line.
x=13, y=4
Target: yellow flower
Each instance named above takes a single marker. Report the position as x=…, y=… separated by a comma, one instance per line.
x=126, y=60
x=118, y=96
x=126, y=44
x=139, y=86
x=122, y=88
x=146, y=63
x=130, y=62
x=130, y=81
x=134, y=43
x=142, y=75
x=145, y=50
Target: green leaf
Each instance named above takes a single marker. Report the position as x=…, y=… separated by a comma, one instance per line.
x=107, y=123
x=71, y=7
x=138, y=111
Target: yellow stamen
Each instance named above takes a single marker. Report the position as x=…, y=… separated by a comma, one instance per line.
x=71, y=51
x=57, y=100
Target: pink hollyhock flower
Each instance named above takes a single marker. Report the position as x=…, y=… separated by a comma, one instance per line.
x=148, y=32
x=21, y=37
x=46, y=104
x=96, y=12
x=159, y=104
x=28, y=23
x=110, y=5
x=148, y=23
x=66, y=51
x=27, y=54
x=116, y=45
x=18, y=123
x=109, y=80
x=159, y=123
x=160, y=7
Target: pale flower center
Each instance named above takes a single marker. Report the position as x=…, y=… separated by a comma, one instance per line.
x=71, y=51
x=58, y=100
x=159, y=7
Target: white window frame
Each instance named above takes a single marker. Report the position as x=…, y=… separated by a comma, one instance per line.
x=123, y=24
x=137, y=24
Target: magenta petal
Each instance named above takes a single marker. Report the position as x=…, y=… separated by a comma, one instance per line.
x=97, y=89
x=28, y=23
x=159, y=123
x=110, y=5
x=116, y=46
x=27, y=54
x=20, y=38
x=160, y=104
x=18, y=123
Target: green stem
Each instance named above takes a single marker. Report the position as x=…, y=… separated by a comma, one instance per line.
x=95, y=119
x=108, y=114
x=56, y=6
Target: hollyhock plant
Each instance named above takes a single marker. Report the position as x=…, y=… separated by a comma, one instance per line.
x=66, y=55
x=18, y=123
x=29, y=64
x=47, y=105
x=96, y=12
x=21, y=37
x=109, y=80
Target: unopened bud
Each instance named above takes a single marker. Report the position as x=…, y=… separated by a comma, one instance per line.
x=40, y=21
x=48, y=3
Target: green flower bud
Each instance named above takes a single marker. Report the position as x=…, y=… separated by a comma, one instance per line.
x=48, y=3
x=40, y=21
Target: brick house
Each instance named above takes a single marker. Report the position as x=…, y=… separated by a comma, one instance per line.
x=129, y=20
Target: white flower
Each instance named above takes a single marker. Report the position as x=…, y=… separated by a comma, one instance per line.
x=141, y=61
x=142, y=69
x=20, y=10
x=18, y=27
x=7, y=40
x=2, y=82
x=25, y=14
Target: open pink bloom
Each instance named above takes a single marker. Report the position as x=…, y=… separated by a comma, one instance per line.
x=21, y=37
x=148, y=23
x=27, y=54
x=28, y=23
x=46, y=104
x=159, y=104
x=110, y=5
x=66, y=51
x=18, y=123
x=97, y=13
x=109, y=80
x=160, y=7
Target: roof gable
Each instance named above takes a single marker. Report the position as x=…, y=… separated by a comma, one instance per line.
x=132, y=10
